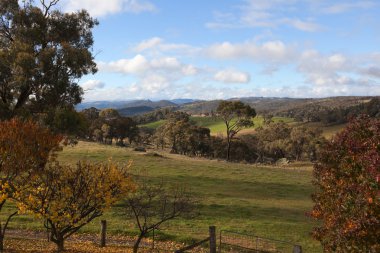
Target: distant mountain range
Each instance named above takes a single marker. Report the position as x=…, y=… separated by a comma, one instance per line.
x=272, y=105
x=135, y=107
x=132, y=103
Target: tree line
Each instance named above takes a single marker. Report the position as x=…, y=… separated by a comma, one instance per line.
x=333, y=115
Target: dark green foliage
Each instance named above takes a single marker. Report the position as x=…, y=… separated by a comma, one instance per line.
x=330, y=115
x=183, y=136
x=153, y=116
x=42, y=55
x=280, y=140
x=236, y=116
x=67, y=121
x=107, y=124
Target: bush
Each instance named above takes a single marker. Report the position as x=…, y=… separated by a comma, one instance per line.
x=347, y=177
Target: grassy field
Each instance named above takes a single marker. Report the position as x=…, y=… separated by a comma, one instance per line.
x=154, y=124
x=327, y=131
x=216, y=125
x=265, y=201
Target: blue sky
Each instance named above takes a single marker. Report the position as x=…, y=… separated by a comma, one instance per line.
x=213, y=49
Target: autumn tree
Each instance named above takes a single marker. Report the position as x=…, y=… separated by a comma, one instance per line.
x=43, y=54
x=347, y=200
x=69, y=197
x=151, y=205
x=25, y=148
x=236, y=116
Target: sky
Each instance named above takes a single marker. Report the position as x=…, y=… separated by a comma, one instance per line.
x=217, y=49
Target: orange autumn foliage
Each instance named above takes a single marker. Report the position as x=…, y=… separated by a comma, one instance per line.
x=25, y=148
x=69, y=197
x=348, y=197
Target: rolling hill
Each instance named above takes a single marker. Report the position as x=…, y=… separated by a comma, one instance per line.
x=287, y=107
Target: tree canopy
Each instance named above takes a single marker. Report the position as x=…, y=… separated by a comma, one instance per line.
x=348, y=196
x=69, y=197
x=236, y=116
x=25, y=148
x=43, y=54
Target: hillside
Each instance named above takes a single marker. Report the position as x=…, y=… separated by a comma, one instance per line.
x=217, y=125
x=277, y=106
x=136, y=110
x=126, y=104
x=303, y=109
x=267, y=201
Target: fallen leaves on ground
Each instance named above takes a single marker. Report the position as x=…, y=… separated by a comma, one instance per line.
x=20, y=241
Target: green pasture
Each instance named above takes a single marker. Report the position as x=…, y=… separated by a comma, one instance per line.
x=265, y=201
x=327, y=131
x=154, y=125
x=216, y=125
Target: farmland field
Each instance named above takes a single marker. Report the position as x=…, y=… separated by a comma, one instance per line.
x=269, y=202
x=216, y=125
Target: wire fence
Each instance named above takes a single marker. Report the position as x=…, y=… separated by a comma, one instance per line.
x=231, y=241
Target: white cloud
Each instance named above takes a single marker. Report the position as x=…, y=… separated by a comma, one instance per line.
x=136, y=65
x=232, y=76
x=338, y=70
x=324, y=70
x=306, y=26
x=148, y=44
x=189, y=70
x=154, y=83
x=100, y=8
x=345, y=7
x=372, y=71
x=159, y=71
x=140, y=65
x=166, y=63
x=156, y=46
x=271, y=51
x=264, y=14
x=92, y=84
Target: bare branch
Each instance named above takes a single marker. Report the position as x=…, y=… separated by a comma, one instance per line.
x=48, y=6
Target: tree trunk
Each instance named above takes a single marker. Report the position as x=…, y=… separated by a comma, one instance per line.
x=228, y=148
x=3, y=228
x=60, y=245
x=58, y=240
x=137, y=243
x=1, y=243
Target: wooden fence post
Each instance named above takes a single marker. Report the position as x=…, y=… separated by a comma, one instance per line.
x=212, y=232
x=103, y=227
x=297, y=249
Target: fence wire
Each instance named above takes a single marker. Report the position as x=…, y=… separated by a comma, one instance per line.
x=231, y=242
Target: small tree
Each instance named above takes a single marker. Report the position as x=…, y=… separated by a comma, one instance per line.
x=68, y=198
x=236, y=116
x=153, y=204
x=348, y=182
x=24, y=150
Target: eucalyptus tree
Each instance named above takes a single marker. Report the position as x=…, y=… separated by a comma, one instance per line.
x=43, y=54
